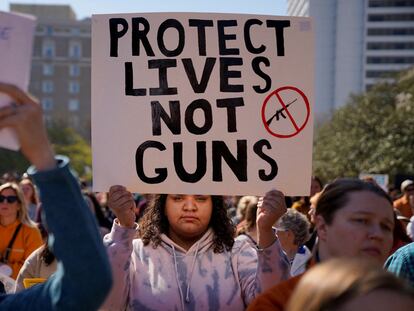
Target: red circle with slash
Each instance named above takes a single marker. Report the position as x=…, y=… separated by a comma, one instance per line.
x=284, y=108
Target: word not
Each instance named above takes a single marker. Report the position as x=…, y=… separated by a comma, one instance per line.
x=173, y=120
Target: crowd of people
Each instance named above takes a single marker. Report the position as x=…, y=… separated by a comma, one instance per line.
x=346, y=246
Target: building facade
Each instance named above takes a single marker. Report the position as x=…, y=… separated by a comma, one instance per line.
x=61, y=65
x=358, y=43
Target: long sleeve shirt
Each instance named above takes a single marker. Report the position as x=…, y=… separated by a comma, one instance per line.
x=172, y=278
x=83, y=277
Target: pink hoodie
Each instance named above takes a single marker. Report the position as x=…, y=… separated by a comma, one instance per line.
x=171, y=278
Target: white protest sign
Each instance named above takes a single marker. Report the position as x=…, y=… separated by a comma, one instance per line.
x=202, y=103
x=380, y=179
x=16, y=39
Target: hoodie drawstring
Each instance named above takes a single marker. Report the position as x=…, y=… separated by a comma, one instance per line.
x=187, y=296
x=176, y=277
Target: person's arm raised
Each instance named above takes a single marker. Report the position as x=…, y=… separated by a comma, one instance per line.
x=83, y=277
x=273, y=264
x=269, y=209
x=119, y=244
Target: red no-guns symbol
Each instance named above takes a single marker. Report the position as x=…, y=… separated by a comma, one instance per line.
x=285, y=112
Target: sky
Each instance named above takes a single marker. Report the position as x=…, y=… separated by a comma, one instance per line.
x=85, y=8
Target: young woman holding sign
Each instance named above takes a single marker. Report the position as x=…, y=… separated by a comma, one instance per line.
x=186, y=258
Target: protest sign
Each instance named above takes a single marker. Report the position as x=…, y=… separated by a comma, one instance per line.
x=202, y=103
x=16, y=40
x=380, y=179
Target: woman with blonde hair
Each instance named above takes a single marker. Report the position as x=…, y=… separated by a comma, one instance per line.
x=350, y=284
x=19, y=236
x=30, y=196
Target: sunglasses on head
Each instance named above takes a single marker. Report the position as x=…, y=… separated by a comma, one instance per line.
x=9, y=199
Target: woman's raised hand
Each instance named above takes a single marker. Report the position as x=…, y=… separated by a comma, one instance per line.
x=122, y=203
x=269, y=209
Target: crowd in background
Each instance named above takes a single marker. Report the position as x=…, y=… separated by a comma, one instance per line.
x=30, y=257
x=328, y=251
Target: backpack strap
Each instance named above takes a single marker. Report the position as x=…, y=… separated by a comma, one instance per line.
x=10, y=246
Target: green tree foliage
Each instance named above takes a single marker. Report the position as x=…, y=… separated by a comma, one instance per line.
x=12, y=162
x=67, y=142
x=373, y=133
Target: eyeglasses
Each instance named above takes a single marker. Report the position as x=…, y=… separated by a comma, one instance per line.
x=275, y=229
x=10, y=199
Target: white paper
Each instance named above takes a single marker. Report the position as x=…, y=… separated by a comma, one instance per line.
x=16, y=41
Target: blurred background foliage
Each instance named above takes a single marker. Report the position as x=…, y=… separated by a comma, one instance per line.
x=373, y=133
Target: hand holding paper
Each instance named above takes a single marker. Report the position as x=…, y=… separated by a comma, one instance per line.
x=15, y=61
x=25, y=117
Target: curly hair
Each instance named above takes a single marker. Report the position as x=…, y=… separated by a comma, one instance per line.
x=155, y=222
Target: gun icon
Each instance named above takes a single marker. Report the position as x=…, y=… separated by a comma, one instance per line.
x=280, y=113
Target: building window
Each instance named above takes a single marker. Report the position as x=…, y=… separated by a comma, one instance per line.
x=73, y=105
x=390, y=3
x=380, y=74
x=390, y=31
x=48, y=49
x=49, y=30
x=75, y=50
x=390, y=45
x=74, y=87
x=47, y=104
x=390, y=17
x=75, y=31
x=75, y=121
x=47, y=87
x=74, y=70
x=48, y=69
x=390, y=60
x=40, y=30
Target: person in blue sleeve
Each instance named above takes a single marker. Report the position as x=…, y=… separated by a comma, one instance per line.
x=83, y=277
x=401, y=263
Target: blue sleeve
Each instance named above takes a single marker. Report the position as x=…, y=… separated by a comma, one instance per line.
x=401, y=263
x=83, y=277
